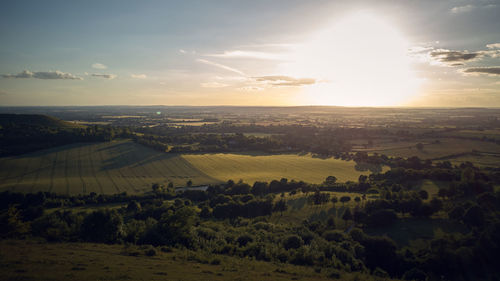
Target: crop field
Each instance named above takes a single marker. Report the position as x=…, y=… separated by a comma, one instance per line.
x=100, y=167
x=251, y=168
x=446, y=147
x=123, y=166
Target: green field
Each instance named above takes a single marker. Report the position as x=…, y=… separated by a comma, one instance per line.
x=120, y=166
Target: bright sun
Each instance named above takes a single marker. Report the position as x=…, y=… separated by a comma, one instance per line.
x=359, y=61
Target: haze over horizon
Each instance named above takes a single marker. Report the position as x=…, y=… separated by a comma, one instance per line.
x=268, y=53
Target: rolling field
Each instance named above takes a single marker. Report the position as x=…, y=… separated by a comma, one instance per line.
x=272, y=167
x=446, y=147
x=123, y=166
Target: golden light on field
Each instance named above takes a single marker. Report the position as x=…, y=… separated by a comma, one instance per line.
x=360, y=60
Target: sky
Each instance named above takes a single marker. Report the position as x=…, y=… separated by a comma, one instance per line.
x=348, y=53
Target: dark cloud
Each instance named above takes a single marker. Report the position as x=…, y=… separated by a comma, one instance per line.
x=280, y=80
x=452, y=57
x=105, y=76
x=43, y=75
x=483, y=70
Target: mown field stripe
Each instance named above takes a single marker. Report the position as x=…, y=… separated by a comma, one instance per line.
x=107, y=172
x=53, y=171
x=84, y=186
x=92, y=168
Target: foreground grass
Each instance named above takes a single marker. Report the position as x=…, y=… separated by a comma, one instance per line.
x=32, y=260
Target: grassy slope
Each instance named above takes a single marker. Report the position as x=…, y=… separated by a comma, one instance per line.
x=125, y=166
x=33, y=120
x=30, y=260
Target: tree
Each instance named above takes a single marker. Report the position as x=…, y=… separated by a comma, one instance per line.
x=345, y=199
x=156, y=187
x=347, y=216
x=189, y=183
x=280, y=206
x=103, y=226
x=357, y=199
x=474, y=216
x=330, y=180
x=334, y=200
x=259, y=188
x=133, y=207
x=292, y=242
x=423, y=194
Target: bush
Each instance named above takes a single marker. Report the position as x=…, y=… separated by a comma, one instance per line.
x=103, y=227
x=244, y=239
x=381, y=218
x=292, y=242
x=334, y=235
x=150, y=252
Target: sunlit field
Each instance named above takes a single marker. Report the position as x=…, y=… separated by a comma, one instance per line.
x=123, y=166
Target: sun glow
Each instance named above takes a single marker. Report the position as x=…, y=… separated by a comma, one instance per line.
x=358, y=61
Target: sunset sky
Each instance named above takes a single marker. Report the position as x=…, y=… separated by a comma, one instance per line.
x=347, y=53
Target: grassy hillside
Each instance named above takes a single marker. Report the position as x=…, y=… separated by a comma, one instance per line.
x=33, y=120
x=29, y=260
x=113, y=167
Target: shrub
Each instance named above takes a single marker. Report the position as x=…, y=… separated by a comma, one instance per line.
x=334, y=235
x=292, y=242
x=150, y=252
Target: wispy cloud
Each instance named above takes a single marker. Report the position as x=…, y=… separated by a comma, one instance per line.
x=281, y=80
x=493, y=46
x=105, y=76
x=43, y=75
x=250, y=89
x=249, y=54
x=462, y=9
x=221, y=66
x=213, y=85
x=99, y=66
x=453, y=58
x=139, y=76
x=493, y=70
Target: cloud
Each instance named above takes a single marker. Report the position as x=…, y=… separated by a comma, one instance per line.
x=138, y=76
x=453, y=57
x=99, y=66
x=493, y=46
x=105, y=76
x=182, y=51
x=221, y=66
x=280, y=80
x=213, y=85
x=250, y=89
x=462, y=9
x=494, y=70
x=43, y=75
x=248, y=54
